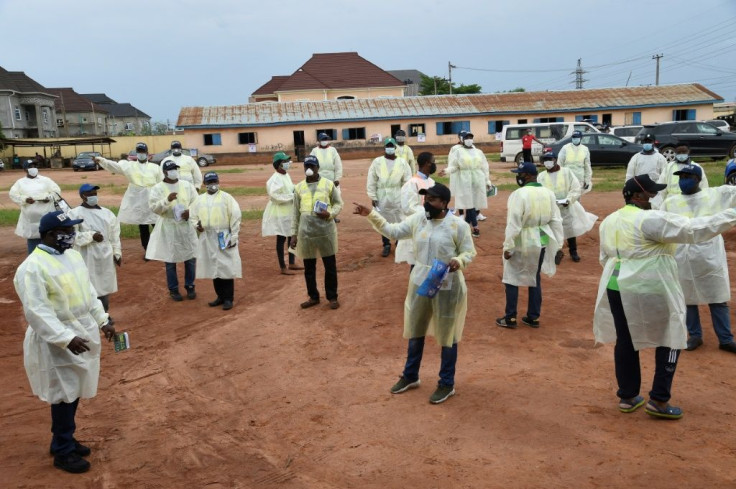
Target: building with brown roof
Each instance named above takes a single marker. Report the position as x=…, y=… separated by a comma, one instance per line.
x=78, y=116
x=26, y=107
x=331, y=76
x=122, y=118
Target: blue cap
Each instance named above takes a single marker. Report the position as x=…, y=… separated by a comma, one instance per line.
x=323, y=136
x=690, y=170
x=169, y=165
x=56, y=219
x=549, y=155
x=28, y=163
x=311, y=160
x=526, y=167
x=577, y=134
x=87, y=187
x=210, y=177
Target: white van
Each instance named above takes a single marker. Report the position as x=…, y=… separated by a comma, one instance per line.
x=627, y=133
x=547, y=132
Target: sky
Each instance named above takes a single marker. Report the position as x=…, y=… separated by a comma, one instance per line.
x=161, y=55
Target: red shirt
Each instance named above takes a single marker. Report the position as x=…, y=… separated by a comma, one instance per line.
x=526, y=141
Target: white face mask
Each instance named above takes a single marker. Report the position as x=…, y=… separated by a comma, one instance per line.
x=172, y=174
x=213, y=188
x=324, y=143
x=468, y=143
x=142, y=156
x=549, y=164
x=32, y=172
x=400, y=139
x=309, y=172
x=286, y=165
x=92, y=200
x=176, y=152
x=390, y=151
x=576, y=141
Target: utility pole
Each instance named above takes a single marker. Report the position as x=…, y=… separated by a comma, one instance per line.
x=579, y=72
x=657, y=57
x=450, y=66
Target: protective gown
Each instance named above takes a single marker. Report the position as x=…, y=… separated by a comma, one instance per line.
x=532, y=214
x=172, y=241
x=217, y=213
x=38, y=188
x=577, y=159
x=564, y=184
x=411, y=203
x=59, y=303
x=98, y=256
x=651, y=164
x=141, y=177
x=702, y=267
x=407, y=154
x=672, y=181
x=315, y=236
x=384, y=182
x=330, y=164
x=643, y=244
x=280, y=208
x=188, y=168
x=469, y=177
x=444, y=239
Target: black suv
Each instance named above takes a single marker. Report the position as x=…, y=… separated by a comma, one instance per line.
x=703, y=139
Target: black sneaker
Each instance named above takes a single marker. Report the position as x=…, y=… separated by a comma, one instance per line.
x=505, y=322
x=191, y=294
x=534, y=323
x=79, y=449
x=694, y=343
x=575, y=257
x=71, y=463
x=558, y=257
x=731, y=347
x=442, y=393
x=176, y=295
x=227, y=305
x=215, y=303
x=386, y=251
x=404, y=385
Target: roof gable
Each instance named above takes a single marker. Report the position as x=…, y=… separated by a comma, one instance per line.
x=70, y=101
x=270, y=87
x=18, y=81
x=98, y=98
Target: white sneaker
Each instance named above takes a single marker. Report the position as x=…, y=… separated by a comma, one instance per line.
x=481, y=217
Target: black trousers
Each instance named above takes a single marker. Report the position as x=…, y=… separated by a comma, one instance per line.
x=145, y=231
x=310, y=276
x=280, y=242
x=224, y=288
x=572, y=245
x=63, y=427
x=527, y=154
x=628, y=369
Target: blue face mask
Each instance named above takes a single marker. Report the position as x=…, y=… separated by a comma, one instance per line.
x=682, y=157
x=576, y=141
x=648, y=146
x=688, y=185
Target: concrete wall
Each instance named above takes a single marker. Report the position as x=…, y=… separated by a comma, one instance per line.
x=334, y=94
x=32, y=108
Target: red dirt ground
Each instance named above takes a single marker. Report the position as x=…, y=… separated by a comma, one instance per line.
x=268, y=395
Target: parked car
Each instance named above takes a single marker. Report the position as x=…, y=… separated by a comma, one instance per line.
x=132, y=155
x=86, y=161
x=547, y=132
x=704, y=140
x=720, y=124
x=201, y=158
x=626, y=132
x=605, y=149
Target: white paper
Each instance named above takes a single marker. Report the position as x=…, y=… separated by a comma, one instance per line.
x=178, y=211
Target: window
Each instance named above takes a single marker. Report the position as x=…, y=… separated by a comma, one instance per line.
x=415, y=129
x=18, y=117
x=590, y=118
x=583, y=128
x=128, y=126
x=452, y=127
x=99, y=121
x=606, y=119
x=346, y=97
x=45, y=114
x=521, y=121
x=683, y=115
x=353, y=133
x=494, y=127
x=212, y=139
x=59, y=122
x=588, y=139
x=706, y=129
x=330, y=132
x=605, y=140
x=394, y=129
x=247, y=138
x=636, y=119
x=549, y=119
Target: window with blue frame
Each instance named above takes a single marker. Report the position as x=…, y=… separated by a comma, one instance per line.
x=353, y=133
x=494, y=127
x=452, y=127
x=213, y=139
x=683, y=115
x=636, y=118
x=549, y=119
x=330, y=132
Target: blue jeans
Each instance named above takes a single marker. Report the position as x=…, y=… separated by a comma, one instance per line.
x=63, y=427
x=534, y=305
x=32, y=243
x=414, y=360
x=172, y=281
x=471, y=217
x=720, y=316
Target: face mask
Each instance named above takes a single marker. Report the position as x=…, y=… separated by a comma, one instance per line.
x=648, y=146
x=468, y=143
x=309, y=172
x=549, y=164
x=324, y=144
x=176, y=152
x=213, y=188
x=390, y=151
x=286, y=165
x=400, y=139
x=32, y=172
x=142, y=157
x=520, y=181
x=65, y=241
x=172, y=174
x=432, y=168
x=431, y=211
x=682, y=157
x=92, y=200
x=688, y=185
x=575, y=141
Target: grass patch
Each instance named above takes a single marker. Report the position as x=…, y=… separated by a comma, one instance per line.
x=231, y=170
x=247, y=191
x=9, y=217
x=252, y=214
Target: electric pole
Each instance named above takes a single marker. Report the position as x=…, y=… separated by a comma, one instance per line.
x=450, y=66
x=579, y=72
x=657, y=57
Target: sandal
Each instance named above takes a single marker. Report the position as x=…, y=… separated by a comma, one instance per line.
x=309, y=303
x=669, y=412
x=630, y=405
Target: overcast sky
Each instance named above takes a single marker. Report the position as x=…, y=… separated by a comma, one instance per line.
x=161, y=55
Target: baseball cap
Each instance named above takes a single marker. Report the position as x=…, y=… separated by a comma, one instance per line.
x=388, y=141
x=549, y=155
x=323, y=136
x=437, y=190
x=141, y=148
x=28, y=163
x=175, y=144
x=577, y=134
x=280, y=156
x=690, y=170
x=56, y=219
x=468, y=135
x=311, y=160
x=169, y=165
x=526, y=167
x=87, y=187
x=210, y=177
x=642, y=183
x=647, y=137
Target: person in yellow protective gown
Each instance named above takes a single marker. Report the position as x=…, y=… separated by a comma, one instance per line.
x=188, y=168
x=576, y=156
x=412, y=202
x=404, y=151
x=279, y=210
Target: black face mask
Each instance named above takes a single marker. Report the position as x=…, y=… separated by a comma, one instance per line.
x=520, y=181
x=431, y=211
x=432, y=168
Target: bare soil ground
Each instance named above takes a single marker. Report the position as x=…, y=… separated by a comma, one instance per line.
x=268, y=395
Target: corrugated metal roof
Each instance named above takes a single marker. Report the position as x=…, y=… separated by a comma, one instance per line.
x=273, y=113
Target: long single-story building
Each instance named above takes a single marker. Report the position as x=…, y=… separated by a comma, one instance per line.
x=431, y=120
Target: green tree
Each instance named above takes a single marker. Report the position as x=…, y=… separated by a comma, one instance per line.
x=513, y=90
x=435, y=85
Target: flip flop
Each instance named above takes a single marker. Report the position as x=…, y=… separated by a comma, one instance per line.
x=630, y=405
x=669, y=412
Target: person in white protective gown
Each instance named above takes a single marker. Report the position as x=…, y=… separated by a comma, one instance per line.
x=469, y=180
x=386, y=175
x=404, y=151
x=672, y=180
x=437, y=235
x=648, y=160
x=279, y=211
x=702, y=267
x=188, y=168
x=217, y=216
x=330, y=163
x=533, y=236
x=35, y=195
x=61, y=350
x=142, y=175
x=174, y=239
x=640, y=302
x=412, y=202
x=576, y=156
x=567, y=189
x=313, y=231
x=98, y=241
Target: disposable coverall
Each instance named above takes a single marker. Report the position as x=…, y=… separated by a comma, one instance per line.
x=405, y=152
x=330, y=164
x=172, y=241
x=651, y=164
x=188, y=168
x=280, y=207
x=577, y=159
x=38, y=188
x=469, y=177
x=565, y=186
x=98, y=256
x=141, y=177
x=411, y=203
x=383, y=184
x=315, y=236
x=217, y=213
